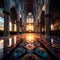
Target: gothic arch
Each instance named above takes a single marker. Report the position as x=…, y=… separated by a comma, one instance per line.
x=13, y=14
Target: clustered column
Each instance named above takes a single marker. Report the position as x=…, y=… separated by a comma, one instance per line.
x=6, y=18
x=18, y=26
x=47, y=16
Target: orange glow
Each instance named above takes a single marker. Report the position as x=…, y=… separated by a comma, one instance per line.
x=30, y=38
x=30, y=27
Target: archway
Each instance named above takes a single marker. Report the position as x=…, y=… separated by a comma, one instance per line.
x=13, y=14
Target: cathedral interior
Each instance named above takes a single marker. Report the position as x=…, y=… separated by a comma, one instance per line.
x=29, y=30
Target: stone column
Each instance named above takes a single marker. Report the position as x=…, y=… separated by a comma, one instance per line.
x=12, y=27
x=47, y=16
x=40, y=23
x=17, y=23
x=40, y=3
x=18, y=26
x=40, y=27
x=6, y=18
x=6, y=25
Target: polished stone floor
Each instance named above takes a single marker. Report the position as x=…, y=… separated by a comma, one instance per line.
x=29, y=46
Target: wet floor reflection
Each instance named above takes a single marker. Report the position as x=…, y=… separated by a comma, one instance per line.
x=28, y=44
x=26, y=51
x=28, y=47
x=7, y=44
x=1, y=48
x=31, y=57
x=14, y=40
x=10, y=42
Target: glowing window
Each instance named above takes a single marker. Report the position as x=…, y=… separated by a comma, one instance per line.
x=29, y=20
x=10, y=26
x=29, y=27
x=1, y=23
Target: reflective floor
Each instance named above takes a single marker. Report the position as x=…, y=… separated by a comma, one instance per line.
x=29, y=46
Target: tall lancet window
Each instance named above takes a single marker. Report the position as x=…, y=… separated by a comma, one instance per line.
x=30, y=22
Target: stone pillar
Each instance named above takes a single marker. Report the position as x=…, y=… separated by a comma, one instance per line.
x=17, y=23
x=40, y=3
x=6, y=25
x=6, y=18
x=18, y=26
x=40, y=27
x=15, y=27
x=12, y=27
x=40, y=23
x=47, y=15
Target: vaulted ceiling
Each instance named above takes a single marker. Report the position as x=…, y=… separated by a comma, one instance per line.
x=29, y=5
